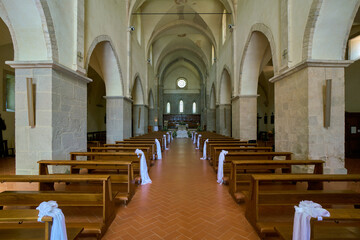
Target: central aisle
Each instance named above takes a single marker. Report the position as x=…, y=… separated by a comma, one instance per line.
x=183, y=202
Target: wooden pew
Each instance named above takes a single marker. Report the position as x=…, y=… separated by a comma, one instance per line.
x=267, y=193
x=112, y=156
x=217, y=150
x=137, y=142
x=123, y=180
x=211, y=145
x=21, y=230
x=101, y=198
x=136, y=145
x=91, y=144
x=219, y=140
x=131, y=149
x=241, y=171
x=342, y=224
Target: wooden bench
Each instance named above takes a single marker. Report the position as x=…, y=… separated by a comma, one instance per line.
x=101, y=198
x=21, y=230
x=112, y=156
x=267, y=192
x=123, y=180
x=131, y=149
x=211, y=145
x=244, y=155
x=217, y=150
x=342, y=224
x=241, y=171
x=152, y=147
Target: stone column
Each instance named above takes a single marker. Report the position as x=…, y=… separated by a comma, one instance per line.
x=224, y=113
x=151, y=117
x=235, y=118
x=140, y=113
x=299, y=113
x=60, y=114
x=247, y=108
x=118, y=118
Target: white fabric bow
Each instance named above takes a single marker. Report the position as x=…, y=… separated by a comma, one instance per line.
x=204, y=150
x=145, y=179
x=158, y=149
x=58, y=229
x=220, y=173
x=302, y=217
x=198, y=141
x=165, y=142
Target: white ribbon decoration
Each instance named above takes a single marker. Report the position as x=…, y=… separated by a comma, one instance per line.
x=145, y=179
x=220, y=173
x=169, y=140
x=194, y=138
x=165, y=142
x=302, y=217
x=158, y=149
x=198, y=141
x=204, y=150
x=58, y=229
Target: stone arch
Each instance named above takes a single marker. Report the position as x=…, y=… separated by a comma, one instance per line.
x=103, y=48
x=41, y=34
x=225, y=88
x=259, y=39
x=137, y=91
x=321, y=39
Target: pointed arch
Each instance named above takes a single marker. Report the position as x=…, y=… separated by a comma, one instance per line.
x=321, y=39
x=225, y=88
x=257, y=47
x=137, y=92
x=103, y=52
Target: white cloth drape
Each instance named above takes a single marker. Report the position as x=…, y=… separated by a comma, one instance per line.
x=165, y=140
x=198, y=141
x=204, y=150
x=169, y=140
x=220, y=173
x=158, y=149
x=302, y=217
x=194, y=138
x=145, y=179
x=58, y=229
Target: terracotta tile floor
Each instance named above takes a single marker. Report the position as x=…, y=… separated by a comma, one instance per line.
x=183, y=202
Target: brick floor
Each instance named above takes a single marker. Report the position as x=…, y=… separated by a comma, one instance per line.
x=183, y=202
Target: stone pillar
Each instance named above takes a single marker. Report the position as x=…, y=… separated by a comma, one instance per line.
x=211, y=120
x=151, y=118
x=235, y=118
x=224, y=111
x=118, y=118
x=247, y=108
x=60, y=114
x=299, y=113
x=161, y=106
x=140, y=121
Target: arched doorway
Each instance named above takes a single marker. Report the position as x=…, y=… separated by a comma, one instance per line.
x=211, y=115
x=7, y=92
x=223, y=114
x=103, y=66
x=139, y=110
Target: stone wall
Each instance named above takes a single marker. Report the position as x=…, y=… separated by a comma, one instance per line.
x=299, y=117
x=188, y=99
x=60, y=116
x=140, y=128
x=211, y=120
x=225, y=119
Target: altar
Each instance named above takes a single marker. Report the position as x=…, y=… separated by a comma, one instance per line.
x=182, y=131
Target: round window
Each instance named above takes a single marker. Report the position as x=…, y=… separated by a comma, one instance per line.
x=181, y=83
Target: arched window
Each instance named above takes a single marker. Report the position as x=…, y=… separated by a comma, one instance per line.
x=168, y=107
x=194, y=107
x=181, y=106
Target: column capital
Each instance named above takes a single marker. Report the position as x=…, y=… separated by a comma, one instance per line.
x=48, y=64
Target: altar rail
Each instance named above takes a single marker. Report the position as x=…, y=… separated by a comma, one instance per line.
x=193, y=120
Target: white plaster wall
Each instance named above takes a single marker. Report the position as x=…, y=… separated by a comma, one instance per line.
x=298, y=13
x=171, y=78
x=111, y=15
x=352, y=87
x=63, y=14
x=29, y=35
